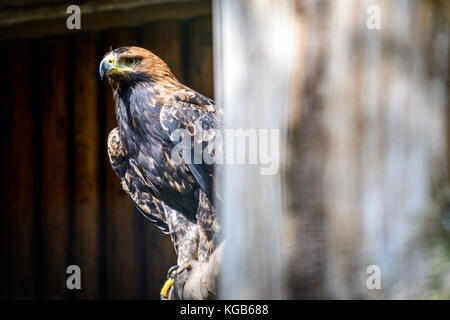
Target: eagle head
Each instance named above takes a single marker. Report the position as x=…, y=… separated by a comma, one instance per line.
x=132, y=65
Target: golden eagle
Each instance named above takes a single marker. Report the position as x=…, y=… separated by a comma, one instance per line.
x=151, y=105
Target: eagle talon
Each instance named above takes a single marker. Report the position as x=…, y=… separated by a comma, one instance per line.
x=169, y=282
x=172, y=271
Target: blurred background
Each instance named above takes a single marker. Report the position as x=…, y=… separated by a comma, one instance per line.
x=361, y=109
x=61, y=202
x=358, y=91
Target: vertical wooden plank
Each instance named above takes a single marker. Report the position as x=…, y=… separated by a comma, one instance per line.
x=198, y=62
x=19, y=175
x=5, y=113
x=86, y=165
x=164, y=38
x=123, y=265
x=54, y=177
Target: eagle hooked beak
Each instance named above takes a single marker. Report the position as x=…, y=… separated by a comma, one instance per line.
x=108, y=66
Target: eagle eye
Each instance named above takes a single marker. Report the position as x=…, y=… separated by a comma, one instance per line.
x=131, y=62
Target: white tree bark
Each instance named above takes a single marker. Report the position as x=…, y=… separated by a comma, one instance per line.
x=253, y=47
x=366, y=150
x=374, y=105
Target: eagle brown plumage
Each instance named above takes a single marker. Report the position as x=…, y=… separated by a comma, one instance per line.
x=151, y=104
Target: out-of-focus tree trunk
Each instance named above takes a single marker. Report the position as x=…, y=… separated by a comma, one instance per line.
x=253, y=42
x=368, y=148
x=362, y=118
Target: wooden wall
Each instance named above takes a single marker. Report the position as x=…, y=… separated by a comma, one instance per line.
x=61, y=202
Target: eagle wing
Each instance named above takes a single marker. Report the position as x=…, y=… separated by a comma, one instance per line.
x=133, y=182
x=200, y=122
